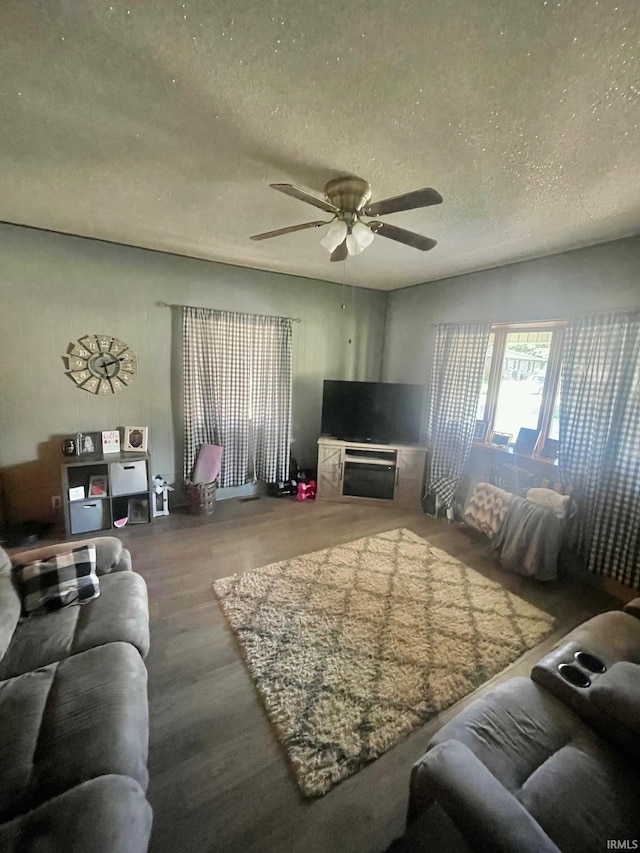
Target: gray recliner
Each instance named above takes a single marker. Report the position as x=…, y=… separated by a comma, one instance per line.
x=541, y=764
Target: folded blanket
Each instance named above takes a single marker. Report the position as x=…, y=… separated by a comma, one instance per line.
x=529, y=540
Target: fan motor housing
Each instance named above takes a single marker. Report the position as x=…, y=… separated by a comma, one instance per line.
x=348, y=193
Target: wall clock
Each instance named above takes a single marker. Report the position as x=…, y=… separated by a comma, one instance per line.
x=100, y=364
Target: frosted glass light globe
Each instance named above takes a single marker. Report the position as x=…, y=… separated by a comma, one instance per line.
x=334, y=236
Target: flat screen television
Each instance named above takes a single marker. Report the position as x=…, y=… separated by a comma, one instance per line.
x=380, y=412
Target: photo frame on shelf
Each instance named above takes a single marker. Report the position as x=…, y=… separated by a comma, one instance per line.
x=526, y=441
x=111, y=441
x=135, y=439
x=138, y=511
x=550, y=449
x=480, y=431
x=88, y=443
x=98, y=487
x=501, y=439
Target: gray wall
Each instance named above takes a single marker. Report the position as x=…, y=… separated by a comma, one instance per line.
x=54, y=289
x=597, y=278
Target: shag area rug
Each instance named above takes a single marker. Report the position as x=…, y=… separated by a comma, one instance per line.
x=354, y=647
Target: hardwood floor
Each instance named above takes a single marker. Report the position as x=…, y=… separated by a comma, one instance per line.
x=218, y=778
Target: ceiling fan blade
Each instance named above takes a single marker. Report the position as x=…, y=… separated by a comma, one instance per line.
x=406, y=201
x=401, y=235
x=294, y=192
x=340, y=253
x=288, y=230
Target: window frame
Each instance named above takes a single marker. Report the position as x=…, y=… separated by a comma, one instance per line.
x=500, y=332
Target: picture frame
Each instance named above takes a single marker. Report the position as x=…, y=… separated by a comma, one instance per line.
x=88, y=444
x=135, y=439
x=98, y=486
x=526, y=441
x=138, y=511
x=550, y=449
x=501, y=439
x=480, y=431
x=110, y=441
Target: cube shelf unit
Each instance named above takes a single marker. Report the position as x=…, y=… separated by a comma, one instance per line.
x=129, y=493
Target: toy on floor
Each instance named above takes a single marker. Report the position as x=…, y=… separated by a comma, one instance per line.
x=307, y=490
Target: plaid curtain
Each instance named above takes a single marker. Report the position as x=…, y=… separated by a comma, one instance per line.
x=237, y=392
x=600, y=440
x=455, y=389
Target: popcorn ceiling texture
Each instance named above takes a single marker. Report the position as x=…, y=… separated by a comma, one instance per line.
x=354, y=647
x=161, y=124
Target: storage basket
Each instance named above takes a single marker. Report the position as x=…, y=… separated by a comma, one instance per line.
x=201, y=498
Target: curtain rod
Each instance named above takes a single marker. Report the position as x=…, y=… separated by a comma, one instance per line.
x=246, y=313
x=558, y=322
x=503, y=323
x=459, y=323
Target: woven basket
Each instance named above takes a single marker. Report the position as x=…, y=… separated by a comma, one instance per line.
x=201, y=498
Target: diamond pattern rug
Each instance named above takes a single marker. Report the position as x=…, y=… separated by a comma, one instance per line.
x=354, y=647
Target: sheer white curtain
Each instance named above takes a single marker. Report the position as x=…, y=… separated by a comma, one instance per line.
x=237, y=392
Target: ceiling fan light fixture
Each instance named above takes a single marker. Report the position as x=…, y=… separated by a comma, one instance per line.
x=334, y=236
x=347, y=198
x=363, y=234
x=353, y=247
x=359, y=237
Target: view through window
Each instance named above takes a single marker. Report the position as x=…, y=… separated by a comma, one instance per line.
x=521, y=386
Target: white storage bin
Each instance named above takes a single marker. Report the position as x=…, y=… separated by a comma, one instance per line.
x=89, y=515
x=127, y=478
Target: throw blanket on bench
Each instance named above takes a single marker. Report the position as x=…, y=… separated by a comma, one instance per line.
x=526, y=536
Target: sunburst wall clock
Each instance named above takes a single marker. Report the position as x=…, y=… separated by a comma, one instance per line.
x=100, y=364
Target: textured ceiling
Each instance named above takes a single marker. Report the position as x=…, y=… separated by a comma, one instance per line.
x=160, y=124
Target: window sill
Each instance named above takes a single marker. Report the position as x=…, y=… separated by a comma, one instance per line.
x=504, y=451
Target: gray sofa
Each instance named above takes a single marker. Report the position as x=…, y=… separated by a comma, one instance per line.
x=74, y=714
x=541, y=764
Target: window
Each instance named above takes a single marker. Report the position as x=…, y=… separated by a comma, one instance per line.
x=521, y=386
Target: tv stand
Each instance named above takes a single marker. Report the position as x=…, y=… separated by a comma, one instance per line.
x=381, y=474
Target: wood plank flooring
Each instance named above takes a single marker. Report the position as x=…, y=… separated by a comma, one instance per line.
x=218, y=778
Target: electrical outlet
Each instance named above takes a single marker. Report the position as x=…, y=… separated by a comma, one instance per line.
x=56, y=501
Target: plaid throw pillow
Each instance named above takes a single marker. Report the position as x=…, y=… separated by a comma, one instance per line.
x=47, y=585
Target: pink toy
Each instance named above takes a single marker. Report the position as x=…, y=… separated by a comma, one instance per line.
x=307, y=491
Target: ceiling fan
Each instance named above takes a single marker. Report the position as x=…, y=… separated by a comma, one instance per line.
x=348, y=198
